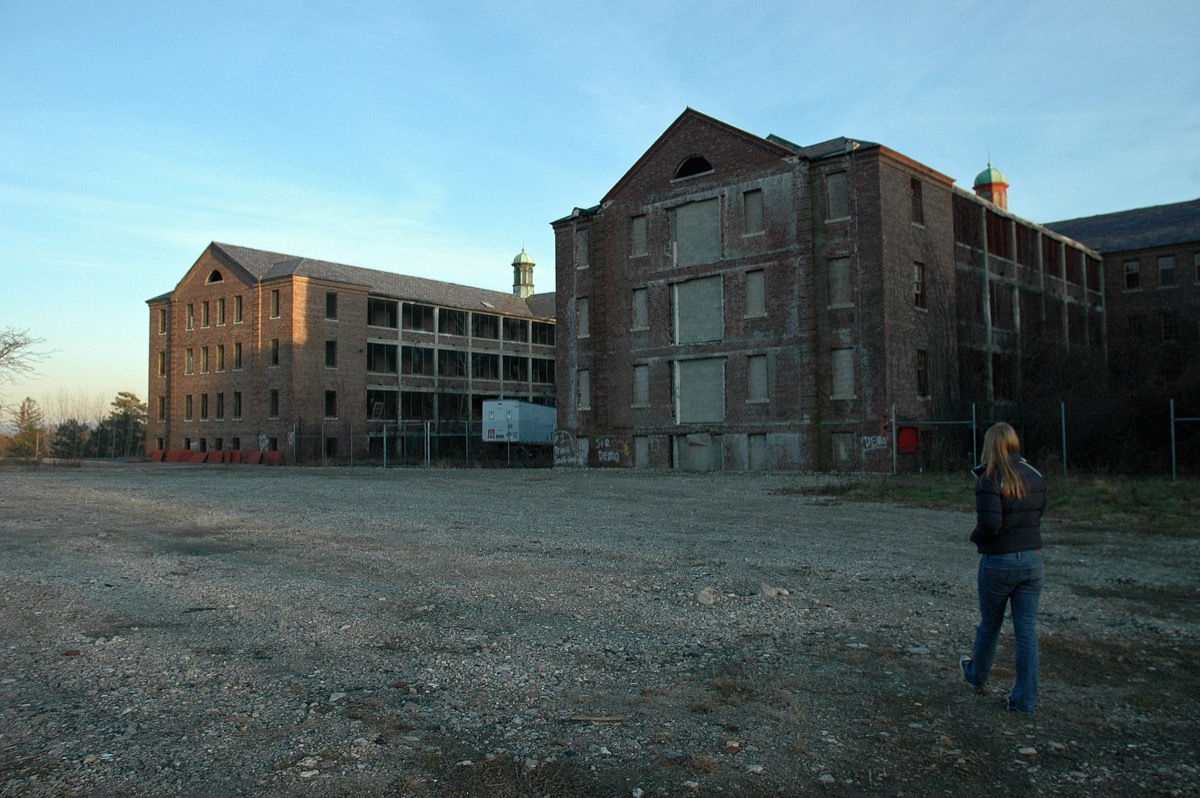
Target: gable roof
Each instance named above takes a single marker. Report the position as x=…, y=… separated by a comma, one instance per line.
x=1141, y=228
x=692, y=116
x=264, y=266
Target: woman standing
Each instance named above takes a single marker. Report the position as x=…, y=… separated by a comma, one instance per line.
x=1010, y=496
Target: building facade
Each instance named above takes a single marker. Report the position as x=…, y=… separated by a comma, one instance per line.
x=737, y=302
x=262, y=351
x=1152, y=282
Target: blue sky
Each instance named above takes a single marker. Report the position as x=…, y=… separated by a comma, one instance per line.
x=438, y=139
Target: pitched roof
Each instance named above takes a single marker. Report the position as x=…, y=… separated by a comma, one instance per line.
x=1142, y=228
x=265, y=266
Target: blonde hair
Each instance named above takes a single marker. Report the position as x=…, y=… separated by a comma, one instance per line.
x=999, y=443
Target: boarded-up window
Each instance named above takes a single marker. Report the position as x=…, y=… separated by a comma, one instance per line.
x=582, y=254
x=637, y=236
x=843, y=449
x=752, y=210
x=837, y=196
x=699, y=311
x=756, y=378
x=696, y=233
x=641, y=309
x=584, y=387
x=756, y=293
x=641, y=386
x=843, y=373
x=839, y=282
x=581, y=317
x=700, y=391
x=641, y=451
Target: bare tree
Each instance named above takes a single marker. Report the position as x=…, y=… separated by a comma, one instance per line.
x=19, y=354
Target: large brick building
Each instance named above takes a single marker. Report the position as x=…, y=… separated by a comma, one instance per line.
x=1152, y=285
x=737, y=302
x=257, y=350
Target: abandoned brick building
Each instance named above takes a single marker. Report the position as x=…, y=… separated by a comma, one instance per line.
x=737, y=302
x=261, y=351
x=1152, y=289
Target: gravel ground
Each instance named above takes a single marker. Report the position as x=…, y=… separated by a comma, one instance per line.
x=222, y=631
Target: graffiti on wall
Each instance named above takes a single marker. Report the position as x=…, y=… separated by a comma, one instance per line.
x=873, y=443
x=564, y=448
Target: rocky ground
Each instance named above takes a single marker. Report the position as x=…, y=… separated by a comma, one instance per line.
x=238, y=630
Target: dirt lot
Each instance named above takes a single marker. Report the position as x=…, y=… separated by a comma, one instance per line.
x=219, y=631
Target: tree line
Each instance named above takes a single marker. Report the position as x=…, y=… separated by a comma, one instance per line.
x=119, y=433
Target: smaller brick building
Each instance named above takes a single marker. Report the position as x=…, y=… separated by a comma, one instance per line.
x=1152, y=284
x=258, y=350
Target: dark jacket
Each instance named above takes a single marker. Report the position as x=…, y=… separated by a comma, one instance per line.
x=1003, y=524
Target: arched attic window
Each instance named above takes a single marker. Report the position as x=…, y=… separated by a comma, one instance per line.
x=214, y=277
x=693, y=165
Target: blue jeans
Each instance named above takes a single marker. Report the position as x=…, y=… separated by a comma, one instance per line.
x=1015, y=578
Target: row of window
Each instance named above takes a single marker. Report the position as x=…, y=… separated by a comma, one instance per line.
x=695, y=226
x=200, y=403
x=1168, y=325
x=699, y=377
x=1166, y=272
x=699, y=303
x=423, y=361
x=392, y=314
x=383, y=359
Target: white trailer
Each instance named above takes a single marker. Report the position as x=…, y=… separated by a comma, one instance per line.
x=513, y=421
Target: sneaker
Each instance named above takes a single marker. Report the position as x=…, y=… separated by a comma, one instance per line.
x=963, y=662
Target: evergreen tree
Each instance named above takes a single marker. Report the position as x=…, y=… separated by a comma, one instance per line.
x=70, y=440
x=29, y=419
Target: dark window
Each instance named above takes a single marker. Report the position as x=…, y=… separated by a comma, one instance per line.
x=237, y=406
x=274, y=351
x=919, y=285
x=516, y=368
x=1133, y=277
x=220, y=405
x=330, y=305
x=203, y=406
x=543, y=333
x=484, y=325
x=922, y=373
x=274, y=303
x=452, y=363
x=382, y=312
x=452, y=322
x=918, y=206
x=695, y=165
x=331, y=404
x=381, y=358
x=331, y=354
x=543, y=371
x=485, y=366
x=417, y=360
x=1169, y=325
x=417, y=317
x=516, y=330
x=274, y=408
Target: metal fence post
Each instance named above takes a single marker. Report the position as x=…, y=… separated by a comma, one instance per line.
x=1063, y=417
x=895, y=462
x=1174, y=472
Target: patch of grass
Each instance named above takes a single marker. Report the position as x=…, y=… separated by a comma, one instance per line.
x=1145, y=505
